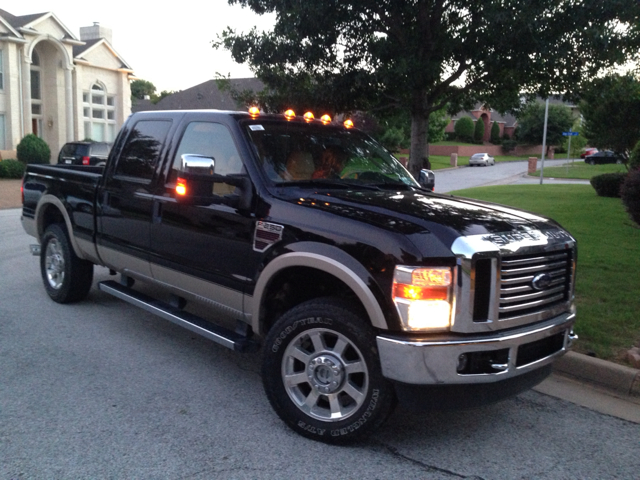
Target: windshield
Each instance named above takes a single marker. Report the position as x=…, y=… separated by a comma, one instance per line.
x=295, y=153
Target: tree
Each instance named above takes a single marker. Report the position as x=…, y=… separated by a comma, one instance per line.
x=142, y=88
x=611, y=109
x=463, y=129
x=495, y=133
x=478, y=131
x=578, y=142
x=531, y=123
x=424, y=55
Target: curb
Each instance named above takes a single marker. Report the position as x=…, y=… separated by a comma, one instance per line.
x=616, y=378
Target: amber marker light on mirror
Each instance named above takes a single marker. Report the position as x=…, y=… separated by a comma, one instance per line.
x=348, y=123
x=181, y=187
x=325, y=119
x=289, y=114
x=423, y=297
x=308, y=116
x=254, y=111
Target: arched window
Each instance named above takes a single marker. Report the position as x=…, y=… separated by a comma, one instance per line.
x=99, y=111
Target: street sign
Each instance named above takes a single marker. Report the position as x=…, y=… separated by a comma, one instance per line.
x=570, y=134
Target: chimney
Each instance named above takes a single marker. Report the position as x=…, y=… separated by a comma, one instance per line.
x=95, y=32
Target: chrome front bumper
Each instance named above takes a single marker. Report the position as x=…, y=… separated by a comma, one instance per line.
x=436, y=362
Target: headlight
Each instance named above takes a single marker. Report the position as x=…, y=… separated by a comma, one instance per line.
x=423, y=297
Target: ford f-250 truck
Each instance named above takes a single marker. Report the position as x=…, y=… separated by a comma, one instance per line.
x=309, y=240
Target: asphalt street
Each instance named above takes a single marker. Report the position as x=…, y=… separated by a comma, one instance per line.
x=100, y=389
x=501, y=173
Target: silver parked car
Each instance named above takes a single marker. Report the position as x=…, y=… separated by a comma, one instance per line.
x=481, y=159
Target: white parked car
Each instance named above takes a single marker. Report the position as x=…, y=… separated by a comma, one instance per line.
x=481, y=159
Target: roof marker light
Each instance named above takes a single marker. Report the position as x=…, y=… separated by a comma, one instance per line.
x=254, y=111
x=325, y=119
x=289, y=114
x=348, y=123
x=308, y=116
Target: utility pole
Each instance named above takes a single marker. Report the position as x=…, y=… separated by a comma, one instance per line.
x=544, y=138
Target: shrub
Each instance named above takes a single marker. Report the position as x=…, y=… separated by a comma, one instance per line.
x=634, y=158
x=608, y=184
x=451, y=136
x=509, y=145
x=32, y=149
x=11, y=169
x=495, y=133
x=478, y=132
x=630, y=193
x=464, y=129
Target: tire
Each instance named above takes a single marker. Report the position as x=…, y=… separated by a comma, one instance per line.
x=66, y=277
x=591, y=162
x=322, y=375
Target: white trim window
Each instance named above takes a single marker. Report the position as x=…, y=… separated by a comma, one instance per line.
x=99, y=112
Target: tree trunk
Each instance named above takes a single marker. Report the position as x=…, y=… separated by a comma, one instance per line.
x=419, y=153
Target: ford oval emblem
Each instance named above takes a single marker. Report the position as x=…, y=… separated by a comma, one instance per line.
x=541, y=282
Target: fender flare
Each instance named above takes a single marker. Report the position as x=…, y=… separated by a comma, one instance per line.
x=339, y=264
x=46, y=201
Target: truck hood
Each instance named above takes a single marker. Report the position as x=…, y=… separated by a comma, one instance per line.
x=412, y=212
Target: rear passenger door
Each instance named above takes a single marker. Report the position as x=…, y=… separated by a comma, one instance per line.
x=126, y=201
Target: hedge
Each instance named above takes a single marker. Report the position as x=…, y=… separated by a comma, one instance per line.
x=608, y=184
x=11, y=169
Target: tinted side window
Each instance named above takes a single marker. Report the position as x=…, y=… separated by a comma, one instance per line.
x=211, y=140
x=142, y=149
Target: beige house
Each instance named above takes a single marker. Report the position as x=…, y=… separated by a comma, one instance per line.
x=57, y=86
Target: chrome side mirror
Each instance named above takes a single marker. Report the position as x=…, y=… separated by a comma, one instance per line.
x=192, y=163
x=427, y=179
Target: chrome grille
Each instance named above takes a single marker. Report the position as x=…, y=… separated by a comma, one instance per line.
x=531, y=283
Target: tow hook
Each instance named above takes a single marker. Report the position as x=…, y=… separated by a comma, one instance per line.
x=572, y=337
x=35, y=250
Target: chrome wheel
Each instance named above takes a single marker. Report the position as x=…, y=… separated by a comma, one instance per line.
x=54, y=264
x=325, y=374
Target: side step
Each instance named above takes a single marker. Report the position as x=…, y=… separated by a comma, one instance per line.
x=223, y=336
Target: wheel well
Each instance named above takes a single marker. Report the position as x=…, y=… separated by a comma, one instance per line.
x=296, y=285
x=50, y=216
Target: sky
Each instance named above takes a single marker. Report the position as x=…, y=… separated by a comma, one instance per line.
x=168, y=44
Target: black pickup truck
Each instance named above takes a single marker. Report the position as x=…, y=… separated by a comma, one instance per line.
x=310, y=241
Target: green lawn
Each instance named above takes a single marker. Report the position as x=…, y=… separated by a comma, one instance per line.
x=608, y=278
x=579, y=170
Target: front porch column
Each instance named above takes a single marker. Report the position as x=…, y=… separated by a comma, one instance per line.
x=26, y=94
x=68, y=98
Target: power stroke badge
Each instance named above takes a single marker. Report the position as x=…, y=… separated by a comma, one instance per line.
x=266, y=234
